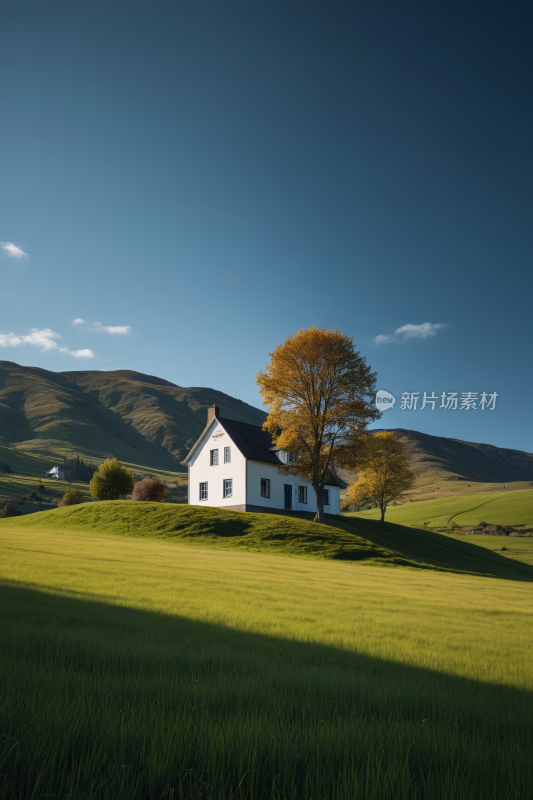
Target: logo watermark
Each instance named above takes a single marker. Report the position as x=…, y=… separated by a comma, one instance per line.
x=449, y=401
x=384, y=400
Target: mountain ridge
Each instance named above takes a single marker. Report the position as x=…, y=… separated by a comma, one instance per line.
x=146, y=420
x=134, y=417
x=472, y=461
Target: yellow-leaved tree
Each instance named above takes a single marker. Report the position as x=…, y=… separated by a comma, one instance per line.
x=319, y=391
x=384, y=475
x=111, y=481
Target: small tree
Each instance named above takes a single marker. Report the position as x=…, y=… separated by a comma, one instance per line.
x=71, y=498
x=7, y=469
x=10, y=510
x=111, y=481
x=149, y=489
x=320, y=392
x=384, y=475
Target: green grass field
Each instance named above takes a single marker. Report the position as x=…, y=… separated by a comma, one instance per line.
x=496, y=508
x=140, y=667
x=13, y=487
x=342, y=539
x=518, y=549
x=18, y=461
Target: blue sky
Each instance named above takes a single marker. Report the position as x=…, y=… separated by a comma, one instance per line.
x=197, y=180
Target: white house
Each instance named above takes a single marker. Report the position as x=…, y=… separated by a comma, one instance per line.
x=56, y=472
x=234, y=465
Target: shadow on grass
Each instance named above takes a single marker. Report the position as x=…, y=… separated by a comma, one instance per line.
x=435, y=549
x=102, y=701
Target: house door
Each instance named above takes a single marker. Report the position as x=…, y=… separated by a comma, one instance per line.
x=288, y=496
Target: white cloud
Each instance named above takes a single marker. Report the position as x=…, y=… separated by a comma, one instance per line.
x=81, y=353
x=410, y=331
x=119, y=330
x=79, y=321
x=12, y=250
x=45, y=338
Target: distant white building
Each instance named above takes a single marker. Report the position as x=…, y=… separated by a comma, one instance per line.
x=56, y=472
x=234, y=465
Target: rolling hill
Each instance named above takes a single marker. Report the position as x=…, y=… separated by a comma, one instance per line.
x=445, y=467
x=466, y=460
x=341, y=539
x=495, y=508
x=139, y=419
x=147, y=421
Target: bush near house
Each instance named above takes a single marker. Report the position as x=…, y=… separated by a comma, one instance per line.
x=71, y=498
x=10, y=510
x=149, y=490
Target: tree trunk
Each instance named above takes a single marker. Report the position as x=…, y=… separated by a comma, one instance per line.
x=319, y=516
x=383, y=509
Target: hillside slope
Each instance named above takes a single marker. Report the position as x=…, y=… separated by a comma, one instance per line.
x=469, y=460
x=494, y=508
x=139, y=419
x=342, y=539
x=444, y=467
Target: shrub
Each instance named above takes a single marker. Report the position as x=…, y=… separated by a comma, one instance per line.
x=111, y=481
x=10, y=510
x=71, y=498
x=149, y=489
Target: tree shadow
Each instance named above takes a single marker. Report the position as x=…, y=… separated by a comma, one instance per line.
x=139, y=704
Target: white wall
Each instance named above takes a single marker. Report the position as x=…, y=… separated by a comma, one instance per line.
x=200, y=470
x=258, y=469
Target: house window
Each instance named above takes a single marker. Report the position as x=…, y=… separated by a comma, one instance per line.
x=203, y=491
x=288, y=458
x=227, y=455
x=228, y=488
x=265, y=487
x=214, y=457
x=326, y=497
x=302, y=494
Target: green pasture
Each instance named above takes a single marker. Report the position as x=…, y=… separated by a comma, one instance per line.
x=516, y=548
x=496, y=508
x=139, y=667
x=19, y=461
x=13, y=487
x=342, y=539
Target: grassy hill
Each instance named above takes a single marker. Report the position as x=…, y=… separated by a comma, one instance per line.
x=146, y=422
x=13, y=487
x=343, y=539
x=139, y=419
x=467, y=460
x=450, y=467
x=497, y=508
x=519, y=548
x=136, y=668
x=19, y=461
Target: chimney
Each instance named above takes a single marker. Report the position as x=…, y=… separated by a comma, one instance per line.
x=212, y=412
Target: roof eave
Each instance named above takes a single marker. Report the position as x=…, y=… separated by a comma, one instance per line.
x=195, y=445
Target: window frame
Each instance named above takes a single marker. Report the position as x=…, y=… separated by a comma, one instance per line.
x=212, y=457
x=203, y=483
x=326, y=494
x=302, y=492
x=227, y=452
x=225, y=488
x=267, y=488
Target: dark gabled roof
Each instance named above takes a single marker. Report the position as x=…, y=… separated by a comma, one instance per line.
x=334, y=480
x=252, y=441
x=255, y=443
